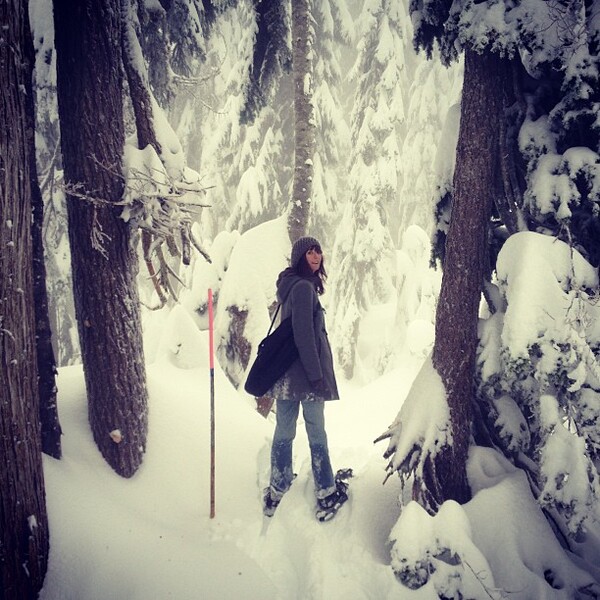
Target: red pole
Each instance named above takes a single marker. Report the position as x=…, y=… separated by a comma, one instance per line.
x=212, y=401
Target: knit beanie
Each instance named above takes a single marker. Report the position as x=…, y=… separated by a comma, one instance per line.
x=300, y=248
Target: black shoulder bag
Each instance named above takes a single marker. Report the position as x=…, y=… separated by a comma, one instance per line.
x=276, y=353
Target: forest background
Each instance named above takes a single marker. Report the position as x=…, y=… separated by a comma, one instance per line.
x=159, y=109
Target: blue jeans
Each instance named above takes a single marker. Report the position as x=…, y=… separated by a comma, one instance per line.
x=281, y=450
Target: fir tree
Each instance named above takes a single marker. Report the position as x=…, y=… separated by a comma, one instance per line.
x=433, y=90
x=244, y=138
x=364, y=248
x=106, y=299
x=535, y=389
x=334, y=32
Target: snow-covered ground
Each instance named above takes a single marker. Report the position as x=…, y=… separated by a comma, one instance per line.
x=152, y=537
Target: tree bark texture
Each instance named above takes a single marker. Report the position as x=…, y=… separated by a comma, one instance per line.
x=51, y=430
x=89, y=82
x=23, y=519
x=510, y=183
x=464, y=266
x=304, y=124
x=138, y=82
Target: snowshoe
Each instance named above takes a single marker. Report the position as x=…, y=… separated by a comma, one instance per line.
x=270, y=503
x=327, y=507
x=271, y=499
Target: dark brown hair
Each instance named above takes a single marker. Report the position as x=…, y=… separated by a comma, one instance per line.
x=318, y=277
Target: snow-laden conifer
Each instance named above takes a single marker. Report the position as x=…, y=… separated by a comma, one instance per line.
x=433, y=90
x=537, y=373
x=334, y=30
x=363, y=248
x=539, y=381
x=245, y=154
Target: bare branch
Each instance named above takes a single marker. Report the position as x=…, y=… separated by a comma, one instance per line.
x=98, y=237
x=164, y=273
x=185, y=245
x=199, y=248
x=147, y=252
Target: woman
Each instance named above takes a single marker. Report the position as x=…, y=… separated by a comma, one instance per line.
x=308, y=382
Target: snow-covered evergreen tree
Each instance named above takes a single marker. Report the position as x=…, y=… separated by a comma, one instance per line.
x=434, y=89
x=418, y=288
x=248, y=163
x=334, y=31
x=427, y=159
x=261, y=190
x=537, y=397
x=363, y=251
x=539, y=380
x=245, y=161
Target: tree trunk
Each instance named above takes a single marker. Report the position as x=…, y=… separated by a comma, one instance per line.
x=51, y=431
x=144, y=105
x=104, y=262
x=23, y=518
x=138, y=81
x=304, y=125
x=508, y=196
x=464, y=266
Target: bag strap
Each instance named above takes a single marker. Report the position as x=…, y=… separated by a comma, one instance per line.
x=277, y=311
x=273, y=319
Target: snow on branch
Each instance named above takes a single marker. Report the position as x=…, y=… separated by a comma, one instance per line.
x=152, y=200
x=422, y=427
x=163, y=203
x=539, y=390
x=157, y=198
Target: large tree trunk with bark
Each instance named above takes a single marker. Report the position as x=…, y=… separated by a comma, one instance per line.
x=304, y=124
x=464, y=266
x=104, y=261
x=23, y=518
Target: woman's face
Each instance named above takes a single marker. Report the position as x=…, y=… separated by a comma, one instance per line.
x=314, y=257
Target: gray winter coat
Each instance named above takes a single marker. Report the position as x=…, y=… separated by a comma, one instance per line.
x=299, y=299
